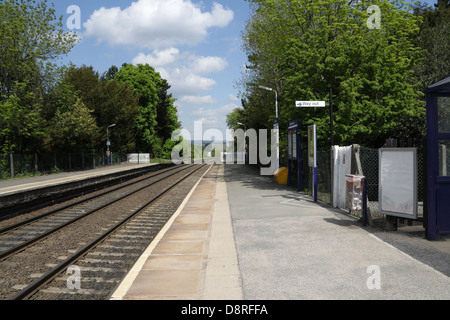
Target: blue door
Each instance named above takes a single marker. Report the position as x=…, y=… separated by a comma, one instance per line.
x=438, y=167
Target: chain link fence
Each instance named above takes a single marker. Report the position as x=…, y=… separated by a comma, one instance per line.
x=368, y=158
x=370, y=168
x=323, y=175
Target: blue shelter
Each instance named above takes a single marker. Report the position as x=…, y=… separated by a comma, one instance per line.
x=437, y=211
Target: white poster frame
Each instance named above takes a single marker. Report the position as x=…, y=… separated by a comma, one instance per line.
x=397, y=183
x=312, y=146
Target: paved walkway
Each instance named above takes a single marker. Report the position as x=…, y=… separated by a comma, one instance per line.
x=241, y=236
x=292, y=248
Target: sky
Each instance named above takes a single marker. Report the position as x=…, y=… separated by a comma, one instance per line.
x=194, y=45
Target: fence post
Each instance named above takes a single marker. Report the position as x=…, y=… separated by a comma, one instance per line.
x=364, y=204
x=11, y=160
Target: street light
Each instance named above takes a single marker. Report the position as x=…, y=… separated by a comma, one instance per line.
x=275, y=125
x=108, y=143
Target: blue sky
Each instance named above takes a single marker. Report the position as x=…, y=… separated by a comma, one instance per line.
x=195, y=45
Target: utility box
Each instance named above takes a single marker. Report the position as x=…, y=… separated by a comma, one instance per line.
x=281, y=175
x=355, y=188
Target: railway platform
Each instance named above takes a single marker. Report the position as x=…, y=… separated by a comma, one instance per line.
x=24, y=184
x=27, y=191
x=239, y=235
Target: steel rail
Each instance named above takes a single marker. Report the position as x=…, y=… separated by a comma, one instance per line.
x=5, y=254
x=29, y=221
x=46, y=278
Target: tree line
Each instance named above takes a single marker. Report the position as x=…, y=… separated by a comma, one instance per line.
x=48, y=108
x=303, y=49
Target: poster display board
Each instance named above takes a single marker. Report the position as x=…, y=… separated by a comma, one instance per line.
x=293, y=131
x=294, y=151
x=398, y=182
x=312, y=146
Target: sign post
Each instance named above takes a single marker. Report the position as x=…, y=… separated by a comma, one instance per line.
x=312, y=155
x=294, y=151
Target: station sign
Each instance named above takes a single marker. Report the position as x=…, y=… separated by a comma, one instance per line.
x=309, y=104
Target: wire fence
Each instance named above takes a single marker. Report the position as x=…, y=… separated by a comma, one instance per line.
x=370, y=167
x=368, y=158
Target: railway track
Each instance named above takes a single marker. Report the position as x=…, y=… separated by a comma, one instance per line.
x=92, y=246
x=21, y=234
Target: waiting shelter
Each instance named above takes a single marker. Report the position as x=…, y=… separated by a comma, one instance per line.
x=437, y=213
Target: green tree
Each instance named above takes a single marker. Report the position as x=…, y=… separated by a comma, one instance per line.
x=145, y=82
x=166, y=112
x=74, y=129
x=111, y=102
x=304, y=48
x=30, y=34
x=119, y=105
x=30, y=38
x=166, y=119
x=434, y=38
x=157, y=116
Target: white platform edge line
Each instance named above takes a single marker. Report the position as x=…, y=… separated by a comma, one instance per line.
x=128, y=280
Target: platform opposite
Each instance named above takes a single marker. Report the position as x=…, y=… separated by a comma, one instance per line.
x=37, y=191
x=28, y=184
x=194, y=255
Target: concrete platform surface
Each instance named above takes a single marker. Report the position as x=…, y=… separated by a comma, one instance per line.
x=239, y=235
x=193, y=257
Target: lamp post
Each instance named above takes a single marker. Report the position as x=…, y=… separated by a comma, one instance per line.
x=275, y=125
x=108, y=143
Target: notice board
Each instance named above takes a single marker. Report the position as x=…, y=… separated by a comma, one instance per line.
x=397, y=184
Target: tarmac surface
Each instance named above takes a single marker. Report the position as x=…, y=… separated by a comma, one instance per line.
x=289, y=247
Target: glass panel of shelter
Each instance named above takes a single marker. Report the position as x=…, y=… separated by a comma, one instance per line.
x=443, y=104
x=443, y=114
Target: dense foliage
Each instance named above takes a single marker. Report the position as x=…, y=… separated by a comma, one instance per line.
x=303, y=49
x=47, y=108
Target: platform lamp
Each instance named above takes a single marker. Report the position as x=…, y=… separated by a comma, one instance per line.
x=108, y=143
x=275, y=124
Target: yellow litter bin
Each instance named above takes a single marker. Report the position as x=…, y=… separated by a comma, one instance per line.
x=281, y=175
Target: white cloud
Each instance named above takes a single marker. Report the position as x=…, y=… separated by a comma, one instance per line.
x=232, y=97
x=185, y=82
x=204, y=65
x=198, y=99
x=156, y=23
x=158, y=58
x=211, y=117
x=186, y=72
